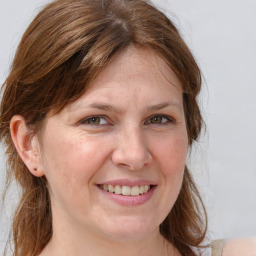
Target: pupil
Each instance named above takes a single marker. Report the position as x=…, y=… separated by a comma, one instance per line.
x=157, y=119
x=95, y=120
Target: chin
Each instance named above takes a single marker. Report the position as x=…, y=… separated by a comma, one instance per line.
x=130, y=229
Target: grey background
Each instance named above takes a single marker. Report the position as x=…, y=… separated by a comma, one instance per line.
x=221, y=34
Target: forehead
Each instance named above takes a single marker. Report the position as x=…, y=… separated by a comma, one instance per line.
x=138, y=61
x=138, y=71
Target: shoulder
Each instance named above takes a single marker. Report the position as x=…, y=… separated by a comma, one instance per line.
x=238, y=247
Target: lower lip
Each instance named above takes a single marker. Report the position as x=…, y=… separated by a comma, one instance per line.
x=129, y=200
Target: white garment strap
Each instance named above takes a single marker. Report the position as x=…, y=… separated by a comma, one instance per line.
x=217, y=247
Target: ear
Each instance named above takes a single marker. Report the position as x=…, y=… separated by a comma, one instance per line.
x=27, y=145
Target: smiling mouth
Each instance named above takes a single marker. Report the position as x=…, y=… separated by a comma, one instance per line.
x=126, y=190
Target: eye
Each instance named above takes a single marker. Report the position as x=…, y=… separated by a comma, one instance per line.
x=159, y=119
x=94, y=120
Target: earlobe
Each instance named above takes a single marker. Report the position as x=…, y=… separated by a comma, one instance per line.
x=27, y=145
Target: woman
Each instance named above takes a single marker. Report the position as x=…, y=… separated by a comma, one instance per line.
x=98, y=113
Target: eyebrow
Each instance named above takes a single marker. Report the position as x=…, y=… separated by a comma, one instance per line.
x=156, y=107
x=105, y=107
x=164, y=105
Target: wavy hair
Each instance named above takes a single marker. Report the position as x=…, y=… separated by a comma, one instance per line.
x=59, y=56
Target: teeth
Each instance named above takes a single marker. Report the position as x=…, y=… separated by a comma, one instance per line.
x=110, y=189
x=141, y=190
x=118, y=190
x=135, y=191
x=126, y=190
x=146, y=188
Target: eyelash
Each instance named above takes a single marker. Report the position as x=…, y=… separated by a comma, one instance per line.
x=169, y=120
x=86, y=120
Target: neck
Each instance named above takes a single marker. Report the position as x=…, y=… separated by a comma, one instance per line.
x=72, y=239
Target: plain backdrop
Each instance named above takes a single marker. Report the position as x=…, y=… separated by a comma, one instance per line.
x=221, y=34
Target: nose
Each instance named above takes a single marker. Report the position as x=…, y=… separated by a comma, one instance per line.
x=131, y=151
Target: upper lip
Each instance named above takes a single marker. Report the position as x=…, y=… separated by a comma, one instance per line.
x=127, y=182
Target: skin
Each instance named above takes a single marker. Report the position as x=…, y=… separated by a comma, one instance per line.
x=238, y=247
x=141, y=135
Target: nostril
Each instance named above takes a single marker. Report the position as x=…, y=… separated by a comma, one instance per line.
x=131, y=151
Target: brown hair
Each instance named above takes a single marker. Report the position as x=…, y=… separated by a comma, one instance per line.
x=60, y=54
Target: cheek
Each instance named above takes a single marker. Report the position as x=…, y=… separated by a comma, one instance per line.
x=71, y=162
x=70, y=155
x=171, y=153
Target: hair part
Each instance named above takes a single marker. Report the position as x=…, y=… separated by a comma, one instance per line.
x=59, y=56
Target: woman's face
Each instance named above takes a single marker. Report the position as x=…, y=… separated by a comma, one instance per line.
x=114, y=159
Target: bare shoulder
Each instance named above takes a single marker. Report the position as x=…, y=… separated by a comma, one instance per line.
x=238, y=247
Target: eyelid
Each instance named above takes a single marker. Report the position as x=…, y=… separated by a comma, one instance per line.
x=169, y=118
x=83, y=121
